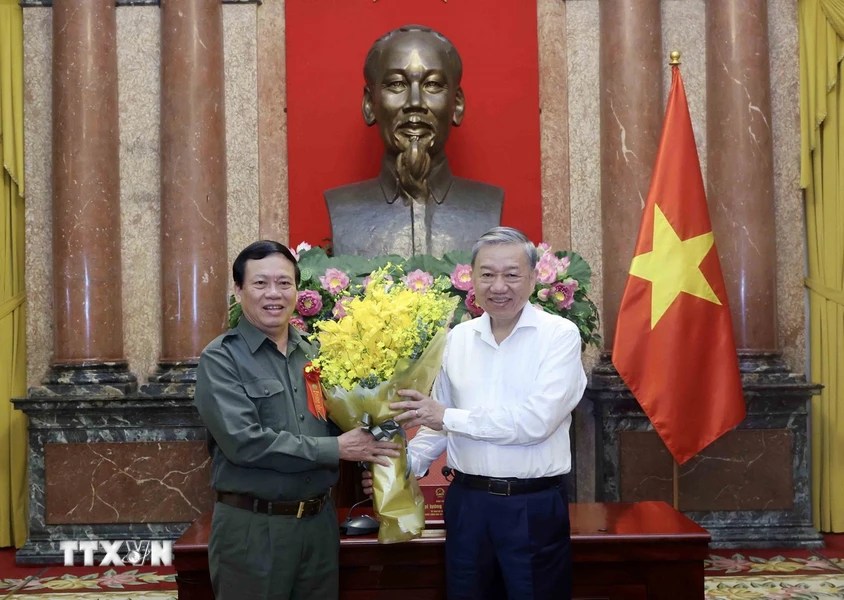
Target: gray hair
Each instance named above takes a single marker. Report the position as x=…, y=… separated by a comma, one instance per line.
x=506, y=235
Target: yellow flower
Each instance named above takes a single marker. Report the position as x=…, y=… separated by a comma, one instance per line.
x=387, y=324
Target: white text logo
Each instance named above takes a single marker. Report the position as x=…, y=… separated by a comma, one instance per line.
x=156, y=553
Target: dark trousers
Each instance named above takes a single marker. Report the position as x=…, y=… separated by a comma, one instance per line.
x=257, y=557
x=516, y=547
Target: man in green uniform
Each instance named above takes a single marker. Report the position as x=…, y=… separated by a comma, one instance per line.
x=274, y=532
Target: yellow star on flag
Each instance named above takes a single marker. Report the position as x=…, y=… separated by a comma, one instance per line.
x=673, y=266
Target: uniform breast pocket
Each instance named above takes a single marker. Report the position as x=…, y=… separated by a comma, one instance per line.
x=268, y=397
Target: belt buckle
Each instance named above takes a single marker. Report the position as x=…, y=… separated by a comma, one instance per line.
x=301, y=509
x=491, y=488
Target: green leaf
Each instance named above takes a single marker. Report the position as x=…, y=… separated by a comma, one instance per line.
x=578, y=268
x=235, y=311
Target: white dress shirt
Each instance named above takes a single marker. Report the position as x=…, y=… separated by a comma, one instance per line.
x=508, y=405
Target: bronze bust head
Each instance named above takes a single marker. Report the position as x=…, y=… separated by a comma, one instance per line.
x=415, y=205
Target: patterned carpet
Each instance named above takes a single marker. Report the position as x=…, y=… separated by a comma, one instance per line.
x=730, y=575
x=776, y=575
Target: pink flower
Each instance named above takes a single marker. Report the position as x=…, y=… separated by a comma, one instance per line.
x=472, y=305
x=562, y=293
x=418, y=280
x=563, y=266
x=543, y=294
x=302, y=247
x=543, y=249
x=299, y=323
x=308, y=303
x=339, y=310
x=461, y=277
x=546, y=269
x=334, y=281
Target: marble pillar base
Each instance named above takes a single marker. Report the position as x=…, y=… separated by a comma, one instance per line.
x=750, y=488
x=87, y=380
x=172, y=379
x=132, y=468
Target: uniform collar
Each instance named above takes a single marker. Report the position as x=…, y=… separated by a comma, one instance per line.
x=439, y=180
x=254, y=337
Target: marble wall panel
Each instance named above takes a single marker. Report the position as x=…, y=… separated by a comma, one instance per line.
x=139, y=89
x=553, y=123
x=683, y=29
x=38, y=60
x=272, y=123
x=584, y=132
x=744, y=470
x=141, y=482
x=788, y=197
x=241, y=88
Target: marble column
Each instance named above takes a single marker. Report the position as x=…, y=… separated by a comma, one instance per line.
x=740, y=181
x=631, y=71
x=88, y=316
x=193, y=189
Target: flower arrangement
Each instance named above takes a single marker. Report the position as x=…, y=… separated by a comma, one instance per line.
x=390, y=322
x=391, y=337
x=330, y=283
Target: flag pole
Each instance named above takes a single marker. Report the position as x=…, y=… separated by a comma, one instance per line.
x=676, y=486
x=674, y=61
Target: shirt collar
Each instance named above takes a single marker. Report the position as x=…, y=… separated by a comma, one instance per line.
x=439, y=181
x=254, y=337
x=483, y=324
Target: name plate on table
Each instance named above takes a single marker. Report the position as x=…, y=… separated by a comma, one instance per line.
x=434, y=488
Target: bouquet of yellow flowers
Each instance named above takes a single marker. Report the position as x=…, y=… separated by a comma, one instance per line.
x=389, y=338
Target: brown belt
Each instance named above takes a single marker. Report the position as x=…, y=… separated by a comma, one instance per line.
x=303, y=508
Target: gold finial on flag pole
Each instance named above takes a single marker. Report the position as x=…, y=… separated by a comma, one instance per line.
x=674, y=58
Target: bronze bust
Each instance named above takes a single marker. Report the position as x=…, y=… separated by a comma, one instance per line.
x=415, y=205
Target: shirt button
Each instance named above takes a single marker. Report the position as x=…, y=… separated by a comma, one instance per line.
x=301, y=417
x=295, y=389
x=307, y=479
x=266, y=392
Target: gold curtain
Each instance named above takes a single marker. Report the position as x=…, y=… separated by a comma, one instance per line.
x=821, y=30
x=12, y=320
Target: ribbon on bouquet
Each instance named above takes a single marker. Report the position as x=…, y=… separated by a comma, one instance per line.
x=386, y=431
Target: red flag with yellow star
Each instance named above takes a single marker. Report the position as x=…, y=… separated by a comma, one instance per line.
x=674, y=344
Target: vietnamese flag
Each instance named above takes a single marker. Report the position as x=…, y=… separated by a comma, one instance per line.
x=674, y=343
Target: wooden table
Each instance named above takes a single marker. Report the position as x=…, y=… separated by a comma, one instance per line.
x=638, y=551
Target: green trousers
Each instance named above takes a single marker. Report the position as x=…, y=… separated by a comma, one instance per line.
x=259, y=557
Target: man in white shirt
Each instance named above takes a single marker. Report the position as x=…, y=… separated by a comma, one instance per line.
x=502, y=408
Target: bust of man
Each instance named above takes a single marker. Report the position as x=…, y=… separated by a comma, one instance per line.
x=415, y=205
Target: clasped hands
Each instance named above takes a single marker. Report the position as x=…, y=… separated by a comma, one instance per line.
x=418, y=409
x=358, y=445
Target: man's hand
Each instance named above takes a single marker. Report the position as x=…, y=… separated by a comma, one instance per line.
x=358, y=445
x=366, y=482
x=419, y=409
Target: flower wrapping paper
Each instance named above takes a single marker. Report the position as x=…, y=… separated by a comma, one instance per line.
x=397, y=499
